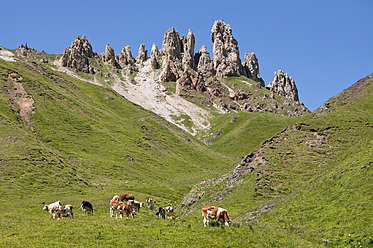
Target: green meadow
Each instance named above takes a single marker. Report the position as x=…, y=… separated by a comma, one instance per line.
x=89, y=143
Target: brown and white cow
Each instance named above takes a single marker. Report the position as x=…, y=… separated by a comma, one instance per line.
x=150, y=203
x=66, y=209
x=136, y=205
x=55, y=216
x=172, y=217
x=113, y=201
x=218, y=213
x=123, y=207
x=126, y=197
x=52, y=207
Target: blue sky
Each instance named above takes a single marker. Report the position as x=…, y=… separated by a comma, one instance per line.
x=326, y=46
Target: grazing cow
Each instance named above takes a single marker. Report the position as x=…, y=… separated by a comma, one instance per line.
x=123, y=207
x=126, y=197
x=173, y=217
x=136, y=205
x=112, y=202
x=55, y=216
x=86, y=207
x=52, y=207
x=169, y=209
x=66, y=209
x=220, y=214
x=161, y=213
x=150, y=203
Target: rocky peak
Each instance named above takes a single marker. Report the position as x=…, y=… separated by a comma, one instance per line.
x=76, y=56
x=83, y=46
x=203, y=62
x=155, y=57
x=251, y=68
x=226, y=58
x=142, y=53
x=109, y=57
x=171, y=56
x=126, y=60
x=284, y=85
x=188, y=43
x=171, y=46
x=125, y=56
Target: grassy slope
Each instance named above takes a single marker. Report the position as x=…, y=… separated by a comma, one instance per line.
x=89, y=144
x=320, y=178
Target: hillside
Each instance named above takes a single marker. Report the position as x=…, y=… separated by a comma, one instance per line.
x=312, y=180
x=68, y=139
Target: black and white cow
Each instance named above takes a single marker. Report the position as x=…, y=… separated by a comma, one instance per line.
x=161, y=213
x=86, y=207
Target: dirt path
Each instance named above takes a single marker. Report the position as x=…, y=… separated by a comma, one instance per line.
x=21, y=98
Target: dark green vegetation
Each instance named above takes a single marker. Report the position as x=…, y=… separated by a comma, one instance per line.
x=89, y=143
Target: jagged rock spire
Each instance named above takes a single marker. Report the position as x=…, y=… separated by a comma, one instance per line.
x=188, y=43
x=155, y=57
x=109, y=56
x=142, y=53
x=203, y=62
x=226, y=57
x=284, y=85
x=76, y=56
x=251, y=68
x=125, y=56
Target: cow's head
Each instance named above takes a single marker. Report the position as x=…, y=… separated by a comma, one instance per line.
x=45, y=207
x=228, y=223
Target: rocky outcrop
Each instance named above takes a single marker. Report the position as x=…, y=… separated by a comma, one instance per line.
x=76, y=56
x=109, y=56
x=171, y=45
x=284, y=85
x=142, y=54
x=155, y=58
x=125, y=56
x=203, y=62
x=251, y=68
x=226, y=58
x=126, y=60
x=168, y=74
x=188, y=43
x=171, y=56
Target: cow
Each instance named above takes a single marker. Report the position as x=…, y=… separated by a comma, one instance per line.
x=113, y=201
x=150, y=203
x=136, y=205
x=126, y=197
x=52, y=207
x=86, y=207
x=161, y=213
x=66, y=209
x=55, y=216
x=169, y=209
x=218, y=213
x=123, y=207
x=173, y=217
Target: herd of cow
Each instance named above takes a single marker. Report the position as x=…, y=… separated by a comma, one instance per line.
x=126, y=203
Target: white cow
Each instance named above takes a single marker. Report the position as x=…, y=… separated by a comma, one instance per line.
x=52, y=207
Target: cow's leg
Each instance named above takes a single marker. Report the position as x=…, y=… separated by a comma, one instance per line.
x=71, y=215
x=206, y=221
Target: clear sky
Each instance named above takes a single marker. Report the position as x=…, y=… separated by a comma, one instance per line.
x=325, y=45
